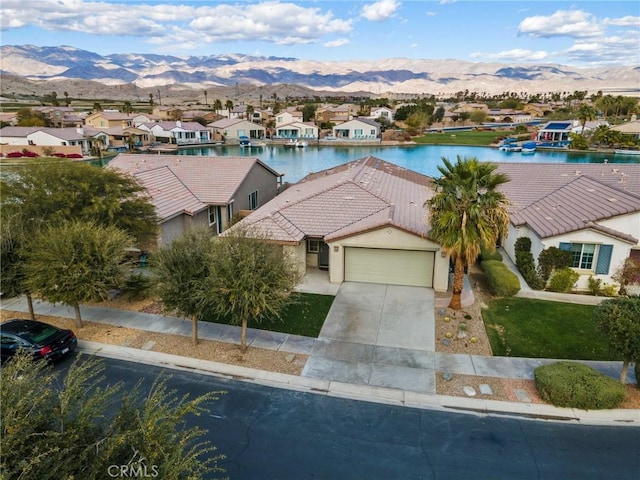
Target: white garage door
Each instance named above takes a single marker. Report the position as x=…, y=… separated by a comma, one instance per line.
x=397, y=267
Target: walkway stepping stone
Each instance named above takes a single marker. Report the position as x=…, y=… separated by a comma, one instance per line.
x=522, y=395
x=469, y=391
x=447, y=376
x=485, y=389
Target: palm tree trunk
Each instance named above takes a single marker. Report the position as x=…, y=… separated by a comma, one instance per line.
x=194, y=329
x=243, y=336
x=458, y=279
x=32, y=312
x=76, y=308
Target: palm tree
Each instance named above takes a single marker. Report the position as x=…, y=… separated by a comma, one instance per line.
x=217, y=106
x=229, y=106
x=205, y=98
x=586, y=113
x=467, y=213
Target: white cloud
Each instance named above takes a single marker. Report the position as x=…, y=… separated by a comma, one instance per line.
x=571, y=23
x=168, y=23
x=515, y=55
x=607, y=50
x=337, y=43
x=380, y=10
x=628, y=21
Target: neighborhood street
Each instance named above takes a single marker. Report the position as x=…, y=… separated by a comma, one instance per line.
x=269, y=433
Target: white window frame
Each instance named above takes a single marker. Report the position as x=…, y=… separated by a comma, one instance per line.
x=230, y=210
x=212, y=211
x=253, y=200
x=581, y=257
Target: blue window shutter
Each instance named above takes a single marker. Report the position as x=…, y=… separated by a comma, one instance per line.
x=604, y=259
x=565, y=246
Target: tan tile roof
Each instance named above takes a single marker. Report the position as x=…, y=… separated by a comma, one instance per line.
x=359, y=196
x=212, y=180
x=559, y=198
x=170, y=196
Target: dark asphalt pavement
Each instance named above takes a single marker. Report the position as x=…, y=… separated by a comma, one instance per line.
x=269, y=433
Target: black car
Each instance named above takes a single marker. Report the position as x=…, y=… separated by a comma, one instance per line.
x=43, y=340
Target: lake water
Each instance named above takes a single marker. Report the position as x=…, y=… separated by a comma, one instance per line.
x=295, y=163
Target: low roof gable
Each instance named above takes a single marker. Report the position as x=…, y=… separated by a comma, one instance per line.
x=213, y=180
x=353, y=198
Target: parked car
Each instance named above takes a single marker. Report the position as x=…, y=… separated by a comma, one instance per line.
x=44, y=341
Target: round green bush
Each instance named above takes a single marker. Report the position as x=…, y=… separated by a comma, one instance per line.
x=502, y=282
x=574, y=385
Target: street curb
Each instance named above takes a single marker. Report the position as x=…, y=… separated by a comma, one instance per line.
x=472, y=406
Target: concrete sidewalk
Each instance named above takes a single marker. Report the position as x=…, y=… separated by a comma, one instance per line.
x=430, y=362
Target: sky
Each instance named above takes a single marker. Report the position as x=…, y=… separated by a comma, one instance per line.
x=577, y=33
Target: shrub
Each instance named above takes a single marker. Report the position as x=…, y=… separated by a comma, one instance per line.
x=595, y=285
x=488, y=254
x=550, y=259
x=526, y=264
x=73, y=155
x=574, y=385
x=502, y=282
x=563, y=280
x=14, y=155
x=137, y=285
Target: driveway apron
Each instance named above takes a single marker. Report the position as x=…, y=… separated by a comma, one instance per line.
x=378, y=335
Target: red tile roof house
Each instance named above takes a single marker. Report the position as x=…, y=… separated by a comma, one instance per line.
x=592, y=210
x=190, y=190
x=362, y=221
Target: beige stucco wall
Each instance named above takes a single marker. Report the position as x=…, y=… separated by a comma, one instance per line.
x=298, y=254
x=391, y=238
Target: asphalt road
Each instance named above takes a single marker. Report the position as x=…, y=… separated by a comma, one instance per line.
x=269, y=433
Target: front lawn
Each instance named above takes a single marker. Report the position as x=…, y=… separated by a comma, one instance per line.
x=472, y=137
x=522, y=327
x=304, y=316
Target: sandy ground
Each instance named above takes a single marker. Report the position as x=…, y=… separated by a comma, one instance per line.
x=464, y=330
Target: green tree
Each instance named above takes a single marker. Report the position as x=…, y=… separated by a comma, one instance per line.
x=309, y=112
x=626, y=274
x=250, y=280
x=217, y=105
x=619, y=320
x=478, y=116
x=97, y=107
x=75, y=262
x=27, y=117
x=49, y=193
x=578, y=141
x=73, y=427
x=181, y=272
x=438, y=115
x=466, y=214
x=67, y=100
x=126, y=107
x=250, y=111
x=586, y=113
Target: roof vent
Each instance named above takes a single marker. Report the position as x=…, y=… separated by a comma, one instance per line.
x=613, y=200
x=348, y=197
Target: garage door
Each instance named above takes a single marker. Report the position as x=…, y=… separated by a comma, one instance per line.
x=397, y=267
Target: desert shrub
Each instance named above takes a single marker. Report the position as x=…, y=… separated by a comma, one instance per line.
x=574, y=385
x=501, y=281
x=563, y=280
x=609, y=290
x=490, y=254
x=137, y=285
x=595, y=285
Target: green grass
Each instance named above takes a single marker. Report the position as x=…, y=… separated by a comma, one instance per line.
x=472, y=137
x=522, y=327
x=303, y=316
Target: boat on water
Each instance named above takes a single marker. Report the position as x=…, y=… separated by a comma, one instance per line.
x=245, y=142
x=295, y=144
x=529, y=147
x=622, y=151
x=509, y=144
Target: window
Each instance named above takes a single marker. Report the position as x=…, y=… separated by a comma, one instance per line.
x=313, y=246
x=230, y=210
x=589, y=256
x=583, y=254
x=253, y=200
x=212, y=215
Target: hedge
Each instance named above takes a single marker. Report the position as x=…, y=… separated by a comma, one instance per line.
x=488, y=254
x=574, y=385
x=502, y=281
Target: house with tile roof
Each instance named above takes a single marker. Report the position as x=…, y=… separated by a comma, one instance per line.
x=178, y=133
x=307, y=130
x=199, y=190
x=360, y=128
x=231, y=129
x=591, y=210
x=362, y=221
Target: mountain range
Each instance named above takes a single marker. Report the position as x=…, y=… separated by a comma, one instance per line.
x=380, y=77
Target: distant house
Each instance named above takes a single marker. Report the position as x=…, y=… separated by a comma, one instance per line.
x=231, y=129
x=9, y=118
x=41, y=139
x=288, y=117
x=197, y=190
x=362, y=221
x=591, y=210
x=629, y=128
x=298, y=130
x=555, y=133
x=109, y=119
x=381, y=112
x=537, y=109
x=334, y=114
x=357, y=129
x=178, y=133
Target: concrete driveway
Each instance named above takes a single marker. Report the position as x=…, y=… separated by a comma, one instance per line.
x=379, y=335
